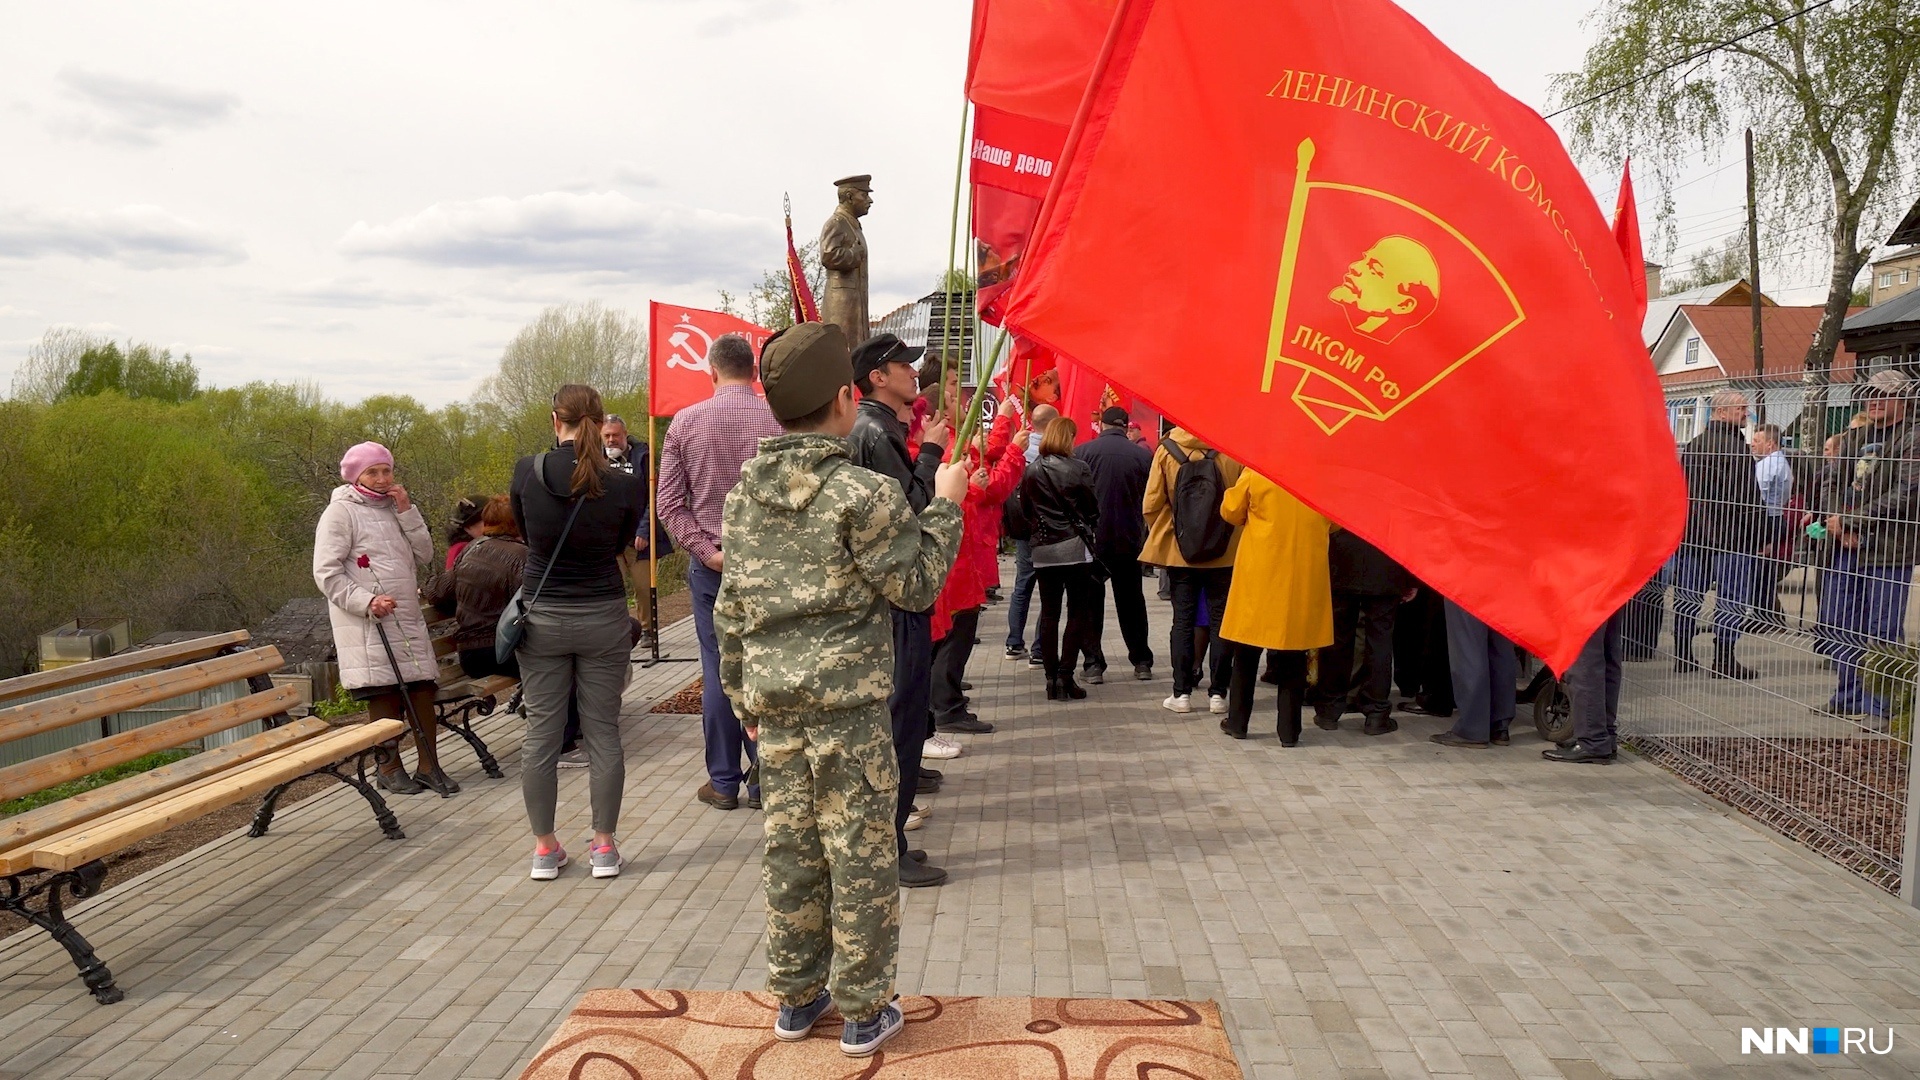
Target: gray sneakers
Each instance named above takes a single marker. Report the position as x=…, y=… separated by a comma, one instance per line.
x=606, y=861
x=547, y=864
x=574, y=759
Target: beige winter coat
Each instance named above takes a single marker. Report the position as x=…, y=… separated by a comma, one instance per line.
x=361, y=550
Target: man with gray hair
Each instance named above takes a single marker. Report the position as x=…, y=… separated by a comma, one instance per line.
x=1724, y=519
x=1775, y=557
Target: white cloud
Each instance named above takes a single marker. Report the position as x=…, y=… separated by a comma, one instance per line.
x=563, y=232
x=142, y=237
x=118, y=109
x=8, y=311
x=357, y=292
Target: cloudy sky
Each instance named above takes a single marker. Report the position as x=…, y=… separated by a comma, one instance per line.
x=376, y=197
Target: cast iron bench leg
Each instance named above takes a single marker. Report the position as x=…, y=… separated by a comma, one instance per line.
x=460, y=722
x=82, y=882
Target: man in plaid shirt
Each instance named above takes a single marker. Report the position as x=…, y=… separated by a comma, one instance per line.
x=699, y=464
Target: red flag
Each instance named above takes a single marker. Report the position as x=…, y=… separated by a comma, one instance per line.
x=804, y=309
x=1027, y=70
x=1324, y=243
x=677, y=345
x=1626, y=233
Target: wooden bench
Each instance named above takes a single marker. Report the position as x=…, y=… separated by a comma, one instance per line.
x=60, y=847
x=460, y=699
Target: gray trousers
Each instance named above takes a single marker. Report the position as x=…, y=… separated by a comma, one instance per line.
x=572, y=650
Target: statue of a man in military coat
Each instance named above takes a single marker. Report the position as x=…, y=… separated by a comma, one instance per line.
x=843, y=253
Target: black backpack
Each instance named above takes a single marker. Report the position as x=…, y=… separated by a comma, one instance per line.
x=1013, y=518
x=1203, y=535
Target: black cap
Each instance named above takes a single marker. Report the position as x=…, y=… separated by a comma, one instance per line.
x=880, y=350
x=1115, y=416
x=803, y=367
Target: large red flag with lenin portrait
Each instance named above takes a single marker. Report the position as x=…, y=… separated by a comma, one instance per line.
x=677, y=345
x=1321, y=241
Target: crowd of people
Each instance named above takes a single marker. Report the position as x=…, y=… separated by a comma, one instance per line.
x=1851, y=515
x=843, y=545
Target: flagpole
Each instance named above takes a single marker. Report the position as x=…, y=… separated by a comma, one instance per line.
x=946, y=286
x=653, y=554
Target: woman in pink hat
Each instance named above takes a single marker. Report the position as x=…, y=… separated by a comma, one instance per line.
x=366, y=554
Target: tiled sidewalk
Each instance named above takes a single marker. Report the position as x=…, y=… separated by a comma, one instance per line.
x=1362, y=907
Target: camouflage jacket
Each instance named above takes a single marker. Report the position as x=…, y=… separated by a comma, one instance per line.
x=816, y=548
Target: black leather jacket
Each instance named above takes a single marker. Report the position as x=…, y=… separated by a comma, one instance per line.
x=1057, y=495
x=879, y=443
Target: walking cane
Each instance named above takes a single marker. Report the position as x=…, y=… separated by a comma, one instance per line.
x=420, y=735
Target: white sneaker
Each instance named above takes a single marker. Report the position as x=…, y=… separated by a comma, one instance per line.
x=915, y=818
x=1217, y=704
x=1181, y=703
x=941, y=749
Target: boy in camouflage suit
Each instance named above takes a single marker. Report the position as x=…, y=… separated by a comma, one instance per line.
x=815, y=549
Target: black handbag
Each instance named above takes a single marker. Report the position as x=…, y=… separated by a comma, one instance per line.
x=512, y=628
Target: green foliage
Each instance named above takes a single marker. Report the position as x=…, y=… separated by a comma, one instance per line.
x=93, y=780
x=1830, y=96
x=139, y=372
x=1889, y=671
x=339, y=705
x=769, y=301
x=130, y=495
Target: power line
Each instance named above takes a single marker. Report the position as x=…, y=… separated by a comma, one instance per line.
x=1708, y=51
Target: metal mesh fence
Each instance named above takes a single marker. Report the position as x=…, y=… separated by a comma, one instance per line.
x=1768, y=662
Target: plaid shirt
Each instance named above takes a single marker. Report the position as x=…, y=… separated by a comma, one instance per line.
x=700, y=463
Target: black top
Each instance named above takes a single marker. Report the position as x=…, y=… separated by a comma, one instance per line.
x=879, y=443
x=1874, y=484
x=1120, y=470
x=1057, y=495
x=588, y=568
x=1358, y=567
x=1724, y=509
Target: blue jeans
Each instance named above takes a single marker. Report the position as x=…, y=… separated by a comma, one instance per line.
x=719, y=727
x=1730, y=575
x=1484, y=671
x=1022, y=595
x=1870, y=608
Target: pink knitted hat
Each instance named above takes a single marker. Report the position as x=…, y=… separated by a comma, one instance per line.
x=362, y=457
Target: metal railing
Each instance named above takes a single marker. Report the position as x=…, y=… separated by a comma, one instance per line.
x=1768, y=662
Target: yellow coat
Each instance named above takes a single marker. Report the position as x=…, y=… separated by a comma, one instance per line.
x=1282, y=595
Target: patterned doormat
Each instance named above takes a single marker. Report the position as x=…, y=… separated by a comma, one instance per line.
x=688, y=1035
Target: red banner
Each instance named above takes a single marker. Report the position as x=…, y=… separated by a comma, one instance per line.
x=1626, y=233
x=678, y=341
x=1388, y=290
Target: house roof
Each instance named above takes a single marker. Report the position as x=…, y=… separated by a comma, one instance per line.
x=1784, y=331
x=1909, y=230
x=1660, y=309
x=1896, y=256
x=1904, y=308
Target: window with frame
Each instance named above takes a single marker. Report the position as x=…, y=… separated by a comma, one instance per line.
x=1693, y=350
x=1886, y=280
x=1906, y=276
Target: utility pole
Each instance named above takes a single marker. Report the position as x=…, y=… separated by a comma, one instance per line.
x=1753, y=274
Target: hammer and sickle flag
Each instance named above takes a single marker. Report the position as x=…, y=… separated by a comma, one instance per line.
x=1320, y=241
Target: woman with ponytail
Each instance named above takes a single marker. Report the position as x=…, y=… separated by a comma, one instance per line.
x=577, y=516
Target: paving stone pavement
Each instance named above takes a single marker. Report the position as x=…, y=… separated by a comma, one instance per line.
x=1361, y=907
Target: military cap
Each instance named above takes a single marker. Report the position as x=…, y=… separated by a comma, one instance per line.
x=864, y=182
x=880, y=350
x=803, y=367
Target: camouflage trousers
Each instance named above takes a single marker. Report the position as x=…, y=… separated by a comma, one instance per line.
x=832, y=871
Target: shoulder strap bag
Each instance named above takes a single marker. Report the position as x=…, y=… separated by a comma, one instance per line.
x=512, y=628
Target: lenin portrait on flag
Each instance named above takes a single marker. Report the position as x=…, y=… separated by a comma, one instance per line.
x=1390, y=289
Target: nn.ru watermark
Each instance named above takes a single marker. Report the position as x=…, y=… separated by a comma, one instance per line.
x=1824, y=1040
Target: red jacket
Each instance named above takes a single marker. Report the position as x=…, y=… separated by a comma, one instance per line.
x=977, y=567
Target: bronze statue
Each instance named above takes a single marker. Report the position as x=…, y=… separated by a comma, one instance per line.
x=843, y=253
